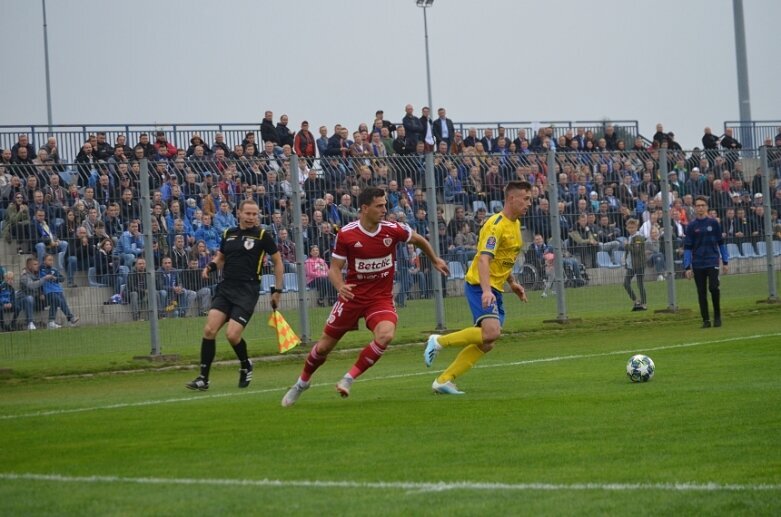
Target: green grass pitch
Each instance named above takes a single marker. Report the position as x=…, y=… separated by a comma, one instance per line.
x=550, y=425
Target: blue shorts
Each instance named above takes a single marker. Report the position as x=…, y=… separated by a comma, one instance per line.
x=474, y=294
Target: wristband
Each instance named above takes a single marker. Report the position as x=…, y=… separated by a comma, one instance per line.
x=212, y=266
x=274, y=290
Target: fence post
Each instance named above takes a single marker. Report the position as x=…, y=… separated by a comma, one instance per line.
x=669, y=264
x=303, y=308
x=436, y=276
x=151, y=296
x=772, y=295
x=558, y=246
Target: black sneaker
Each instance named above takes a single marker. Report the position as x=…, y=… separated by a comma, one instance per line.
x=706, y=324
x=245, y=375
x=199, y=384
x=717, y=323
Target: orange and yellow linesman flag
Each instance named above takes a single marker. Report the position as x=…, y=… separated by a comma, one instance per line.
x=285, y=335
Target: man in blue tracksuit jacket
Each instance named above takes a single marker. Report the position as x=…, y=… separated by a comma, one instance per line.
x=703, y=247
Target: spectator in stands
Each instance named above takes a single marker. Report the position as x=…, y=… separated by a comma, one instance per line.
x=413, y=127
x=132, y=244
x=287, y=250
x=203, y=289
x=208, y=234
x=585, y=242
x=108, y=269
x=284, y=135
x=443, y=128
x=224, y=219
x=322, y=142
x=47, y=241
x=179, y=253
x=16, y=223
x=197, y=141
x=654, y=254
x=347, y=212
x=8, y=301
x=317, y=277
x=175, y=300
x=304, y=144
x=52, y=290
x=137, y=288
x=465, y=244
x=267, y=131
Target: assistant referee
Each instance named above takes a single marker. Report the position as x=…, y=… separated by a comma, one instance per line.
x=240, y=257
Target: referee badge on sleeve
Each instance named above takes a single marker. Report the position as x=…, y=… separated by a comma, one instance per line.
x=249, y=244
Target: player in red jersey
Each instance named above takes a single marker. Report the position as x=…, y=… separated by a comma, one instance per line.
x=368, y=248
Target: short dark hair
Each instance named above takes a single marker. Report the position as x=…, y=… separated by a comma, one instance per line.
x=369, y=194
x=517, y=185
x=246, y=202
x=701, y=198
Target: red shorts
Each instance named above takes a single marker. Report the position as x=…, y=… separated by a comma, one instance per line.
x=346, y=313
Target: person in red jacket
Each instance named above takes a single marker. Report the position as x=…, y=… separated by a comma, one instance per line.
x=304, y=144
x=163, y=147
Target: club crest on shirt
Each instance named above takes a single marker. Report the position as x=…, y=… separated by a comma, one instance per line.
x=387, y=241
x=249, y=244
x=490, y=243
x=709, y=228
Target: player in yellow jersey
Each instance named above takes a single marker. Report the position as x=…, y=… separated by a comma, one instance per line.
x=498, y=247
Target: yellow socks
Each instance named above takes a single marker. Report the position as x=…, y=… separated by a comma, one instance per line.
x=464, y=337
x=463, y=361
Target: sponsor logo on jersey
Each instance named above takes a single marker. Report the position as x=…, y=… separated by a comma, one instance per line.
x=490, y=244
x=387, y=241
x=249, y=244
x=372, y=265
x=358, y=244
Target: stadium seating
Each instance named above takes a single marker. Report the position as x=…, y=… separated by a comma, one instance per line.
x=456, y=270
x=734, y=252
x=291, y=282
x=266, y=281
x=92, y=278
x=761, y=249
x=604, y=260
x=748, y=250
x=618, y=257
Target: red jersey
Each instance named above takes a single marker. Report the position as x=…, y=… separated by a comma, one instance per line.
x=370, y=257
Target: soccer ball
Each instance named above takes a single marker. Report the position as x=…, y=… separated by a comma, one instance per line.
x=640, y=368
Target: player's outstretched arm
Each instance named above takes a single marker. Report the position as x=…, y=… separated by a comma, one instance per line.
x=439, y=264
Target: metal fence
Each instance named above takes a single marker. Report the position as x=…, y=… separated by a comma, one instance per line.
x=70, y=138
x=582, y=201
x=755, y=133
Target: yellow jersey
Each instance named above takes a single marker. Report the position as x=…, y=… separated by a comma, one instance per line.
x=501, y=239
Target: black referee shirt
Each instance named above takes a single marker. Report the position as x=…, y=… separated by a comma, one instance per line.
x=244, y=251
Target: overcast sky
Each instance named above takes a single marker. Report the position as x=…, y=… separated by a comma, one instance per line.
x=337, y=61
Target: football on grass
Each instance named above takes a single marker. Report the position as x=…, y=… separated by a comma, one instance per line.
x=640, y=368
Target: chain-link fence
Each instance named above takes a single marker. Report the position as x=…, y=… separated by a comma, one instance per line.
x=75, y=240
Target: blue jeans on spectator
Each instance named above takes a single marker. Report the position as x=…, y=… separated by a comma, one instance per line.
x=657, y=260
x=57, y=301
x=42, y=250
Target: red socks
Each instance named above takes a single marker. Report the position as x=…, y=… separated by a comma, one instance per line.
x=369, y=355
x=313, y=362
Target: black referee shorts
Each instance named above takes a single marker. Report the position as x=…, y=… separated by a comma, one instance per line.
x=237, y=300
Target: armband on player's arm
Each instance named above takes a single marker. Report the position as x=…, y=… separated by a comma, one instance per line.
x=212, y=266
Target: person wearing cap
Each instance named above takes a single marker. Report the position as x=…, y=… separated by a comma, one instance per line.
x=704, y=248
x=379, y=115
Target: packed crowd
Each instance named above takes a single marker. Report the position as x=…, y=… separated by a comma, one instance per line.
x=87, y=214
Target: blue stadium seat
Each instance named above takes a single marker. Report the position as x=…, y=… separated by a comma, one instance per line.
x=618, y=257
x=734, y=252
x=266, y=281
x=92, y=278
x=456, y=270
x=291, y=282
x=761, y=249
x=748, y=250
x=604, y=260
x=776, y=248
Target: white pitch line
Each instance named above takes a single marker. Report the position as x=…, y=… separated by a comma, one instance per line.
x=397, y=485
x=154, y=402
